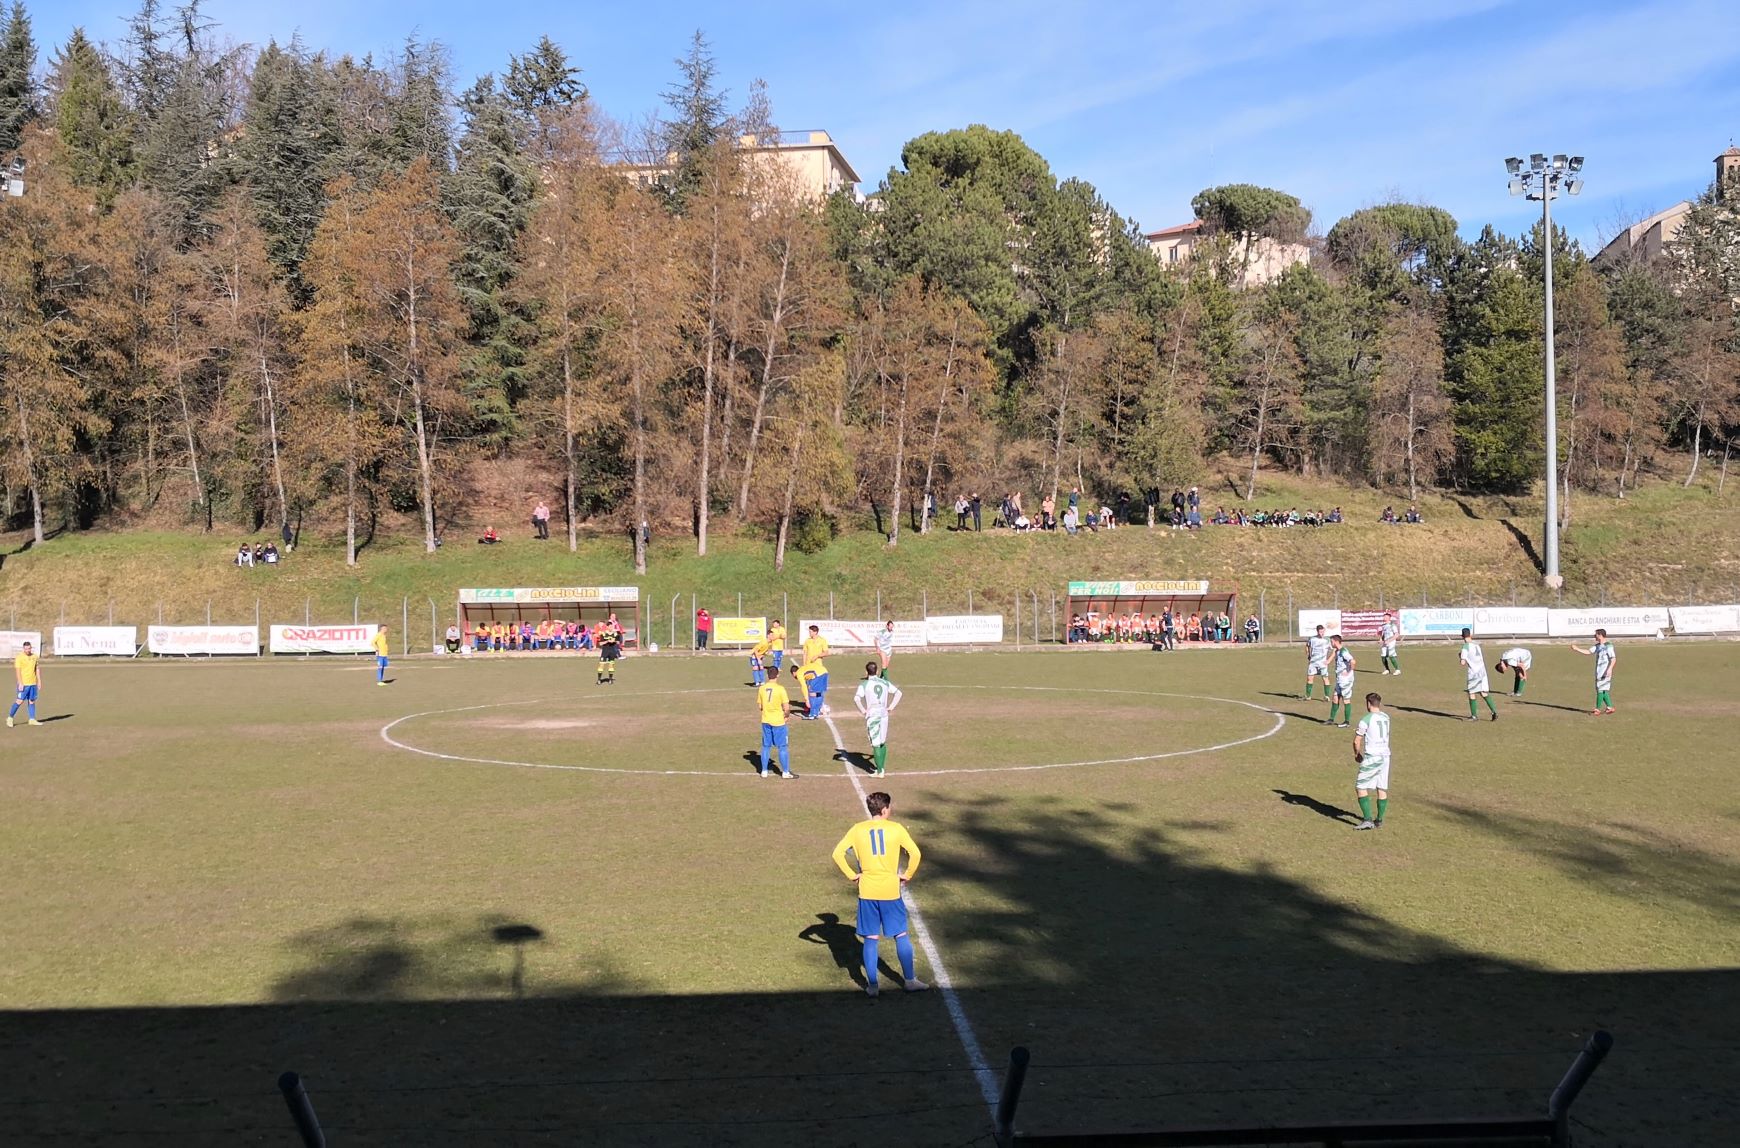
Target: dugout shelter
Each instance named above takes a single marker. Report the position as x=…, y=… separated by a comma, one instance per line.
x=534, y=604
x=1187, y=596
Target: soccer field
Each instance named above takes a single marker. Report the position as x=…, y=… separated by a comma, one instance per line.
x=497, y=903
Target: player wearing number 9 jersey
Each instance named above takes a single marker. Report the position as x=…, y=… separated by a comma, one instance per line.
x=876, y=844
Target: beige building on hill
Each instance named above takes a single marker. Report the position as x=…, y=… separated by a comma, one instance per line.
x=1269, y=259
x=810, y=159
x=1649, y=238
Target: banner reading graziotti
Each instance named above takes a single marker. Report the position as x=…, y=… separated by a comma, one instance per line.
x=96, y=641
x=856, y=633
x=343, y=638
x=203, y=640
x=1151, y=588
x=521, y=594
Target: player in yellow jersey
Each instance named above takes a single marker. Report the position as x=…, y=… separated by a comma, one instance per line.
x=815, y=674
x=876, y=844
x=758, y=661
x=29, y=677
x=379, y=642
x=776, y=643
x=774, y=704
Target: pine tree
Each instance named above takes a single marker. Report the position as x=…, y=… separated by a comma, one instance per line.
x=17, y=77
x=542, y=88
x=182, y=98
x=489, y=199
x=88, y=115
x=287, y=152
x=418, y=122
x=1492, y=350
x=697, y=121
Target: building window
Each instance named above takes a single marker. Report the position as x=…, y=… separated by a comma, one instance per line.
x=1172, y=254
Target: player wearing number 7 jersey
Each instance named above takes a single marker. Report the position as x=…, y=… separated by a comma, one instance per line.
x=876, y=844
x=876, y=699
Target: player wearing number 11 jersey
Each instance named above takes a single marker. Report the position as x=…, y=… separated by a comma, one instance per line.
x=876, y=846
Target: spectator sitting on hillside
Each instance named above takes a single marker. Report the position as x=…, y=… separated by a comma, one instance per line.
x=244, y=556
x=271, y=554
x=1070, y=523
x=1334, y=515
x=490, y=537
x=1107, y=518
x=1252, y=629
x=1413, y=515
x=1389, y=515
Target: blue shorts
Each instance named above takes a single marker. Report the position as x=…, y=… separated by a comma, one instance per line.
x=773, y=735
x=778, y=658
x=881, y=918
x=381, y=661
x=819, y=684
x=26, y=693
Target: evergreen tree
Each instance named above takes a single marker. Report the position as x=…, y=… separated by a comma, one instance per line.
x=17, y=79
x=418, y=122
x=90, y=119
x=489, y=199
x=181, y=94
x=1493, y=364
x=288, y=147
x=542, y=87
x=697, y=120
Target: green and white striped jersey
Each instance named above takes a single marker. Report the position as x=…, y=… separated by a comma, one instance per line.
x=1375, y=729
x=1344, y=666
x=1604, y=656
x=876, y=696
x=1316, y=651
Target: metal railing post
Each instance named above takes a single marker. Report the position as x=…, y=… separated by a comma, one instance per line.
x=1008, y=1099
x=785, y=609
x=1035, y=594
x=208, y=611
x=878, y=605
x=830, y=605
x=302, y=1110
x=1595, y=1050
x=356, y=609
x=434, y=637
x=675, y=598
x=969, y=601
x=924, y=603
x=405, y=625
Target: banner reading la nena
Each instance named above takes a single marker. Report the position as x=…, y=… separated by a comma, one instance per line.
x=963, y=629
x=342, y=638
x=203, y=640
x=738, y=631
x=12, y=641
x=1523, y=621
x=1637, y=621
x=843, y=633
x=96, y=641
x=1705, y=619
x=1437, y=623
x=1126, y=589
x=520, y=594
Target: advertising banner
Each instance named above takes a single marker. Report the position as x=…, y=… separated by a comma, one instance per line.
x=1309, y=620
x=1445, y=623
x=738, y=631
x=962, y=629
x=203, y=640
x=11, y=641
x=343, y=638
x=1361, y=623
x=1705, y=619
x=1637, y=621
x=856, y=634
x=524, y=594
x=96, y=641
x=1125, y=589
x=1522, y=621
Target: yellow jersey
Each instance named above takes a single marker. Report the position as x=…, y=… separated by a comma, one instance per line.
x=774, y=701
x=876, y=844
x=24, y=665
x=776, y=636
x=760, y=649
x=815, y=649
x=379, y=642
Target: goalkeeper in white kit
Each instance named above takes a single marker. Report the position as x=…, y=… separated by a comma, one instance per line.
x=876, y=699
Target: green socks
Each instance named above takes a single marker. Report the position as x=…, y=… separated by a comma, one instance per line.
x=1603, y=700
x=879, y=755
x=1308, y=688
x=1473, y=708
x=1488, y=700
x=1365, y=808
x=1383, y=804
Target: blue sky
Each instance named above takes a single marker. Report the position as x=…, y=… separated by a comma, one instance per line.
x=1343, y=104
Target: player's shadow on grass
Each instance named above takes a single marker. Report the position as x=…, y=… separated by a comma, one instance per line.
x=857, y=759
x=846, y=949
x=1550, y=706
x=1426, y=712
x=1322, y=808
x=753, y=757
x=57, y=717
x=1293, y=713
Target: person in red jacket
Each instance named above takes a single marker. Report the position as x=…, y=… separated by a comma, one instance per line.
x=703, y=628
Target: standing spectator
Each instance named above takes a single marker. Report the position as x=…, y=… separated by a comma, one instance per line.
x=289, y=538
x=961, y=507
x=1123, y=502
x=1193, y=500
x=1177, y=506
x=703, y=628
x=541, y=519
x=1074, y=497
x=1047, y=512
x=645, y=533
x=1151, y=498
x=977, y=505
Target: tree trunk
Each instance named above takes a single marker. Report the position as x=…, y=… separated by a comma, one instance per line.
x=1697, y=444
x=30, y=470
x=1413, y=429
x=703, y=478
x=425, y=460
x=272, y=431
x=899, y=458
x=774, y=324
x=791, y=480
x=941, y=406
x=568, y=449
x=1722, y=477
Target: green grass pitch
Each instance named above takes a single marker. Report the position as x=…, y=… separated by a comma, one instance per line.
x=215, y=872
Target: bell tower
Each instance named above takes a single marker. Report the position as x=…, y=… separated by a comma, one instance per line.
x=1728, y=175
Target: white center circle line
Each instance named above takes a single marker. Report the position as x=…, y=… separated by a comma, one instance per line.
x=387, y=735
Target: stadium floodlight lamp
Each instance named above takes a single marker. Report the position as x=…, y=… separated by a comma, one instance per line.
x=1513, y=165
x=17, y=165
x=1517, y=186
x=1576, y=163
x=1574, y=187
x=1537, y=161
x=1560, y=160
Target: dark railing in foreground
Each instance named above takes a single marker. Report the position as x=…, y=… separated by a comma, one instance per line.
x=1552, y=1129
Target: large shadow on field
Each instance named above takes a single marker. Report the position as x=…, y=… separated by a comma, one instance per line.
x=1153, y=986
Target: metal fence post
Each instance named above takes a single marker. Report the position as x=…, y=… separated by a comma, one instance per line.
x=1263, y=614
x=433, y=624
x=1290, y=626
x=1016, y=598
x=308, y=611
x=785, y=609
x=405, y=625
x=1054, y=615
x=740, y=604
x=694, y=626
x=308, y=1125
x=1035, y=595
x=924, y=603
x=208, y=611
x=1335, y=598
x=675, y=598
x=878, y=605
x=969, y=601
x=1008, y=1099
x=356, y=609
x=830, y=605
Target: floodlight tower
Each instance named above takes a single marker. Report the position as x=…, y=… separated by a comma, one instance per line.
x=1545, y=179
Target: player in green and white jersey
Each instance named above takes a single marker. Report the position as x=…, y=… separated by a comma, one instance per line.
x=1317, y=665
x=1606, y=657
x=1389, y=638
x=1341, y=661
x=1478, y=687
x=1371, y=751
x=885, y=646
x=876, y=699
x=1518, y=661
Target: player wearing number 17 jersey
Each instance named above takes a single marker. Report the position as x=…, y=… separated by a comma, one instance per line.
x=876, y=699
x=875, y=845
